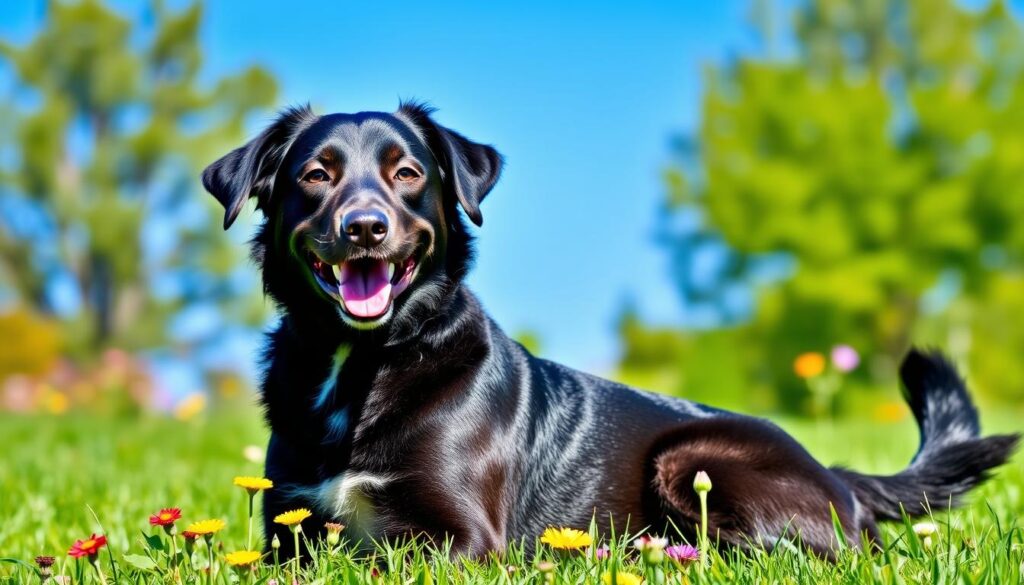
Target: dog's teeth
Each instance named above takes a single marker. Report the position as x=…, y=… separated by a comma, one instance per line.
x=391, y=271
x=337, y=272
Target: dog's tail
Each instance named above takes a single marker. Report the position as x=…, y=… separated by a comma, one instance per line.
x=951, y=459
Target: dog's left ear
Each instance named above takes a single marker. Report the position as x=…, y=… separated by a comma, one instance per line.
x=468, y=169
x=250, y=171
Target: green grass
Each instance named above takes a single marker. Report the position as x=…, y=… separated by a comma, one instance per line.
x=56, y=469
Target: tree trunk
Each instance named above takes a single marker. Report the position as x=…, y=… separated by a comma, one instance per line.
x=101, y=295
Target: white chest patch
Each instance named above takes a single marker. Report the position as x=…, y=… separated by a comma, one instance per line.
x=348, y=497
x=330, y=383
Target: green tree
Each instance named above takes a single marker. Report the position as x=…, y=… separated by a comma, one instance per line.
x=885, y=159
x=109, y=124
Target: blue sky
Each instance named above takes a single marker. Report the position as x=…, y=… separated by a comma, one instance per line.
x=582, y=98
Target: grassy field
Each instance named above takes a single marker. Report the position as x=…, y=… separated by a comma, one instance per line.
x=57, y=471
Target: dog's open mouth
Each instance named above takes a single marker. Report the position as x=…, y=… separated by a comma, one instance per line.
x=365, y=287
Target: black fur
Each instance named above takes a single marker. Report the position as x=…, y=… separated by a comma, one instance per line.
x=433, y=422
x=951, y=458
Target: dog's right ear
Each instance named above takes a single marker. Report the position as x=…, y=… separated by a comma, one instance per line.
x=250, y=171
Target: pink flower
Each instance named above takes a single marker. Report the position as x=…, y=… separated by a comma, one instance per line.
x=682, y=553
x=845, y=358
x=602, y=552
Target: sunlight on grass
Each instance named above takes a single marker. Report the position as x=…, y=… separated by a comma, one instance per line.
x=58, y=470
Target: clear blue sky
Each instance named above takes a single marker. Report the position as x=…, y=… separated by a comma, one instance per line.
x=582, y=98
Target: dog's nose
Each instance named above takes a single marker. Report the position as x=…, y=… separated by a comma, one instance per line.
x=365, y=227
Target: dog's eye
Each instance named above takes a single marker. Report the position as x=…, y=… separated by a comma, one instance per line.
x=316, y=176
x=406, y=174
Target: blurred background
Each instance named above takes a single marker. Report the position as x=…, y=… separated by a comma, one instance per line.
x=756, y=204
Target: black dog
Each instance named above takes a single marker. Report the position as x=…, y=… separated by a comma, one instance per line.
x=399, y=408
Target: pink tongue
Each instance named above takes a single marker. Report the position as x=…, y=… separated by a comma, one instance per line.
x=365, y=288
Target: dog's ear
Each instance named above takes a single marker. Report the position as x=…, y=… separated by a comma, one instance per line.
x=250, y=171
x=469, y=170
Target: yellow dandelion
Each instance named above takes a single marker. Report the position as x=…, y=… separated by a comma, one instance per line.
x=242, y=558
x=292, y=517
x=206, y=527
x=566, y=538
x=621, y=578
x=253, y=484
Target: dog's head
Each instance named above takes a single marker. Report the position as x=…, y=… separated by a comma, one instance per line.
x=361, y=210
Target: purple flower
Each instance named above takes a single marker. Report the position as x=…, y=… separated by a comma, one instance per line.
x=845, y=358
x=602, y=552
x=682, y=553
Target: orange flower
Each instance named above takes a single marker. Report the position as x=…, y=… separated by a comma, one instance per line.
x=89, y=547
x=809, y=365
x=166, y=517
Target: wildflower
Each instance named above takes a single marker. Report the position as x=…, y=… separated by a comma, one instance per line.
x=275, y=546
x=648, y=542
x=621, y=578
x=190, y=541
x=333, y=532
x=190, y=406
x=845, y=358
x=206, y=527
x=682, y=554
x=809, y=365
x=566, y=538
x=602, y=552
x=293, y=520
x=242, y=558
x=925, y=530
x=547, y=571
x=56, y=402
x=44, y=564
x=702, y=485
x=254, y=453
x=253, y=484
x=652, y=549
x=293, y=517
x=166, y=517
x=89, y=547
x=702, y=482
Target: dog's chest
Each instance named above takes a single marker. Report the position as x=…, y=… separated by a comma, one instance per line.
x=349, y=497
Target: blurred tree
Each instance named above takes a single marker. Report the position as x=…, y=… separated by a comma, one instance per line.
x=530, y=340
x=104, y=135
x=885, y=159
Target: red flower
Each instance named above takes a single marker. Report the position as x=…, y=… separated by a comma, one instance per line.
x=189, y=535
x=89, y=547
x=166, y=517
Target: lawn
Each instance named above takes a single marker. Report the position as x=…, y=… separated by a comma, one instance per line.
x=57, y=471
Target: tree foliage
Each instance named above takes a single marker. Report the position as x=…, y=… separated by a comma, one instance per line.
x=885, y=159
x=105, y=130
